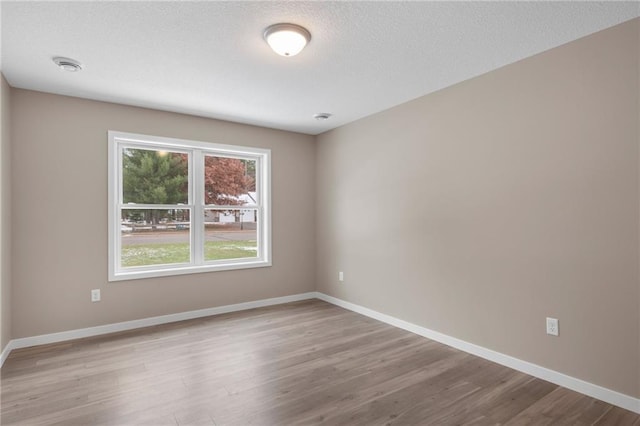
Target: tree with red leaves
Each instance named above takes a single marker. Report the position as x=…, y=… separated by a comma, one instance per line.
x=225, y=179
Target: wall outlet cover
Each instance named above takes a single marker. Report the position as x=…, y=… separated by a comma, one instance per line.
x=552, y=326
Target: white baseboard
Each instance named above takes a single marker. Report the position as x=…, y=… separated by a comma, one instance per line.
x=578, y=385
x=6, y=351
x=146, y=322
x=586, y=388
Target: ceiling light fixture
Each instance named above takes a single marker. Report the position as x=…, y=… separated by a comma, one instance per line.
x=322, y=116
x=67, y=64
x=287, y=39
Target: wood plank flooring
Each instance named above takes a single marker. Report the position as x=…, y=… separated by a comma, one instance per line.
x=302, y=363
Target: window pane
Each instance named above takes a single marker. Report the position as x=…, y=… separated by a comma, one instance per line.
x=154, y=177
x=229, y=181
x=230, y=234
x=154, y=237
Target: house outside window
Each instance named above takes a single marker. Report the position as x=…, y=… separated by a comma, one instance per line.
x=179, y=206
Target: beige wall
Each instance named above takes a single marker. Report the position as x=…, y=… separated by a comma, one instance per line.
x=479, y=210
x=638, y=134
x=5, y=214
x=60, y=216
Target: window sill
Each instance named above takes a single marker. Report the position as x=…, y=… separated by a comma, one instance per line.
x=178, y=270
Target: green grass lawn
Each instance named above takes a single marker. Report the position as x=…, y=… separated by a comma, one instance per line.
x=167, y=253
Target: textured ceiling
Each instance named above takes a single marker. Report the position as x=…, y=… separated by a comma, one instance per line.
x=209, y=58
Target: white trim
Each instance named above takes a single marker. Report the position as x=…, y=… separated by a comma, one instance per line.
x=184, y=269
x=196, y=151
x=63, y=336
x=6, y=351
x=230, y=150
x=197, y=185
x=607, y=395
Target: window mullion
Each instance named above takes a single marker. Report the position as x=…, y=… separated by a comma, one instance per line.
x=198, y=231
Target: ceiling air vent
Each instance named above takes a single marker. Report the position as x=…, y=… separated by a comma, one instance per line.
x=67, y=64
x=322, y=116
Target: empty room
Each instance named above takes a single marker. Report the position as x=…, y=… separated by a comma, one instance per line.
x=339, y=213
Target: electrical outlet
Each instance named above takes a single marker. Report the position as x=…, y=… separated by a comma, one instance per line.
x=340, y=276
x=95, y=295
x=552, y=326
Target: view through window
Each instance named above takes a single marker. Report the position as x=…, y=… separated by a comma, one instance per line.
x=181, y=206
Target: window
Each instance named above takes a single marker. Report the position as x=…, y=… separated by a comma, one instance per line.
x=179, y=207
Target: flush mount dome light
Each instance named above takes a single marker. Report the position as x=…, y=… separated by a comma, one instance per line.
x=67, y=64
x=287, y=39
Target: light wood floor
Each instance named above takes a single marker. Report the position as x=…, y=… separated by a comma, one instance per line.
x=301, y=363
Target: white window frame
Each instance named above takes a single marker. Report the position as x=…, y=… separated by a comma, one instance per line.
x=197, y=151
